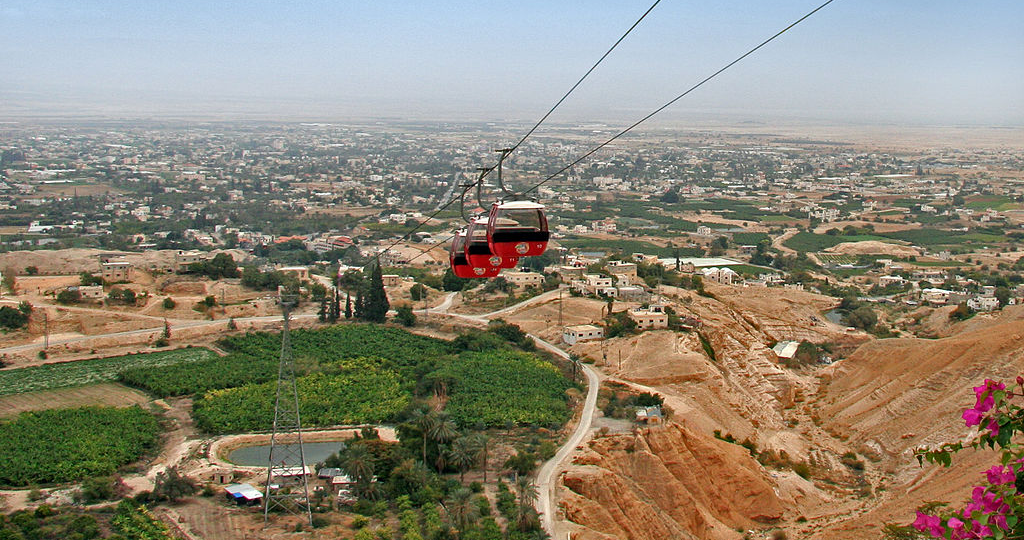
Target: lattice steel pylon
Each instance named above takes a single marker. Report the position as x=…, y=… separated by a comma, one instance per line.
x=287, y=488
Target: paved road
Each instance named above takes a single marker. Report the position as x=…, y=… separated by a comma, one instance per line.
x=546, y=478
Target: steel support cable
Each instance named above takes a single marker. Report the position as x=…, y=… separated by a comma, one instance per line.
x=677, y=98
x=528, y=133
x=665, y=106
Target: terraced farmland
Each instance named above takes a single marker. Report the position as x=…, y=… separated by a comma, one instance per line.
x=82, y=372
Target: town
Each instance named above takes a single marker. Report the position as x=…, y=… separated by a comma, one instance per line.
x=722, y=288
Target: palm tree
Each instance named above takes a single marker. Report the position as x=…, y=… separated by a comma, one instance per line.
x=425, y=422
x=479, y=445
x=443, y=431
x=461, y=455
x=358, y=463
x=462, y=510
x=527, y=498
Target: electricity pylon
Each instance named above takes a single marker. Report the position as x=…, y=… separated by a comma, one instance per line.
x=287, y=488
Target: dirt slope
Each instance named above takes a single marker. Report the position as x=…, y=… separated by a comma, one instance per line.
x=852, y=426
x=893, y=396
x=666, y=482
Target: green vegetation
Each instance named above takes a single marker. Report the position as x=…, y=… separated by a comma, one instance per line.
x=353, y=391
x=254, y=357
x=64, y=445
x=750, y=239
x=708, y=348
x=356, y=373
x=627, y=247
x=82, y=372
x=136, y=522
x=503, y=387
x=984, y=202
x=48, y=522
x=12, y=318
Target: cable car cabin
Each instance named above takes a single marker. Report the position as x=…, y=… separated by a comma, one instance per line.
x=517, y=229
x=478, y=250
x=460, y=266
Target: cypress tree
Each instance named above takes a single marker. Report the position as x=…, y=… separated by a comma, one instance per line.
x=348, y=306
x=376, y=304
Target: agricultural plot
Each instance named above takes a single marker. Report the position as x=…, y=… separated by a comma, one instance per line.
x=504, y=387
x=355, y=391
x=362, y=373
x=835, y=258
x=65, y=445
x=106, y=394
x=254, y=357
x=82, y=372
x=137, y=522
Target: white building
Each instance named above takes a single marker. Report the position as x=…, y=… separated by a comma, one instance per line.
x=651, y=318
x=935, y=296
x=725, y=276
x=786, y=350
x=583, y=332
x=521, y=280
x=983, y=303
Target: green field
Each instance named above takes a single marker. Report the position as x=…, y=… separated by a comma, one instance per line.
x=627, y=247
x=749, y=239
x=65, y=445
x=361, y=373
x=499, y=388
x=835, y=258
x=81, y=372
x=254, y=357
x=750, y=269
x=354, y=391
x=995, y=202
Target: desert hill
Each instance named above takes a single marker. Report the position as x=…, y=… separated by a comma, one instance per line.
x=852, y=426
x=666, y=482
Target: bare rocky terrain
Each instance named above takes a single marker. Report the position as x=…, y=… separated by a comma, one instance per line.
x=849, y=429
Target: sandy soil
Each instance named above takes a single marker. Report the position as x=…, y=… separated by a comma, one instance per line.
x=873, y=247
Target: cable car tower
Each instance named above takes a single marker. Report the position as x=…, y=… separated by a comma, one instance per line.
x=287, y=488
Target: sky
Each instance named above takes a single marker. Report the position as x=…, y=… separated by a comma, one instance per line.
x=862, y=61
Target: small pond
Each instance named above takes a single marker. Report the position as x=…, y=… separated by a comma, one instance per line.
x=834, y=316
x=256, y=456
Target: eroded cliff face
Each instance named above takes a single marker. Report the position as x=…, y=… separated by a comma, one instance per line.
x=666, y=482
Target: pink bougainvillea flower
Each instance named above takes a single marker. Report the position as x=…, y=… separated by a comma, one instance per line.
x=999, y=475
x=972, y=417
x=993, y=427
x=932, y=524
x=985, y=399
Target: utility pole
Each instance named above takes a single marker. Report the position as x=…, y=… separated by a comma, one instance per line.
x=560, y=306
x=287, y=488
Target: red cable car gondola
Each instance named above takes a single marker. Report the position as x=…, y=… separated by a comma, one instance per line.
x=460, y=266
x=478, y=251
x=517, y=229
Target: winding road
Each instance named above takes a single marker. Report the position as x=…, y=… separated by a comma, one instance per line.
x=546, y=478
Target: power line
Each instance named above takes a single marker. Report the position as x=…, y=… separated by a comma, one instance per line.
x=528, y=133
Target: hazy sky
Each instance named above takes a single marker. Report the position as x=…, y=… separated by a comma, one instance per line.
x=921, y=61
